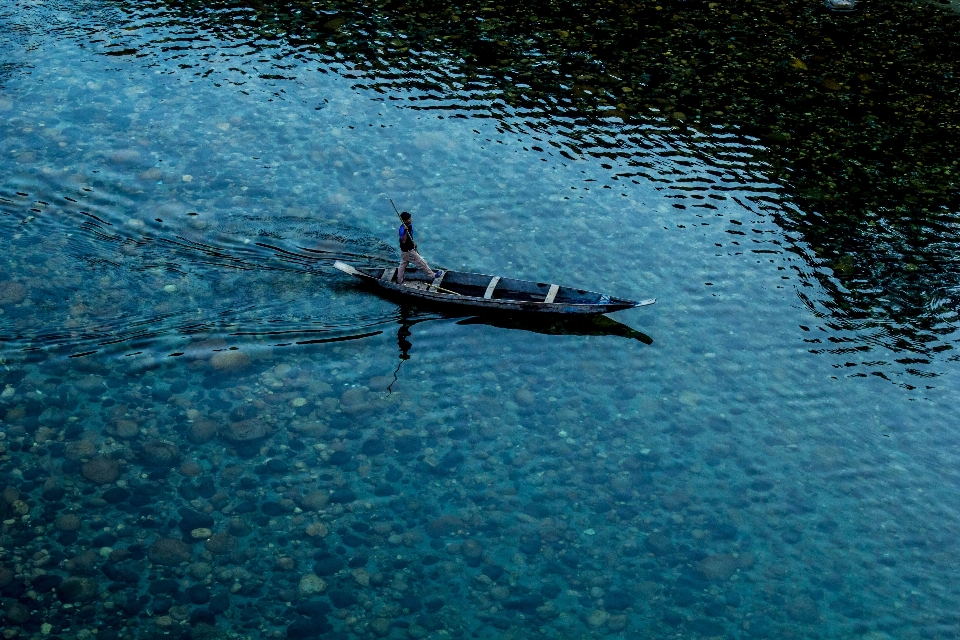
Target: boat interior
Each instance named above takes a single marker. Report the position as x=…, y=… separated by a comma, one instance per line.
x=494, y=287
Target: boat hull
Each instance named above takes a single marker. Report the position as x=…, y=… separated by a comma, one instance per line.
x=489, y=293
x=503, y=305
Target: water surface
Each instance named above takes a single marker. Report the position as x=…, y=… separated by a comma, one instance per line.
x=209, y=431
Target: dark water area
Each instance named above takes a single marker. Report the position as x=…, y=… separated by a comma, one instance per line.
x=206, y=431
x=857, y=113
x=851, y=115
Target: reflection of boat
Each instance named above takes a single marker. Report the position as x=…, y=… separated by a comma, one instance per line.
x=570, y=326
x=493, y=292
x=549, y=325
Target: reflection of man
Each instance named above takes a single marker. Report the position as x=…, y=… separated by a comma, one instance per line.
x=408, y=250
x=402, y=334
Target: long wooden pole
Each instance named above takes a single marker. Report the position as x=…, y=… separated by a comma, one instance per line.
x=415, y=247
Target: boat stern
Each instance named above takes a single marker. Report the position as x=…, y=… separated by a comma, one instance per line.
x=343, y=266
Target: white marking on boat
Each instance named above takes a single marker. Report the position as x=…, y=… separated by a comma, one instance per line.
x=388, y=274
x=552, y=294
x=490, y=287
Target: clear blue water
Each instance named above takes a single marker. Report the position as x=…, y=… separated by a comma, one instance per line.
x=209, y=431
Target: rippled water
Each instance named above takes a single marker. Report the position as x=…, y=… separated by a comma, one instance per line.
x=208, y=431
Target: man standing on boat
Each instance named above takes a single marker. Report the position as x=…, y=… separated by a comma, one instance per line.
x=408, y=250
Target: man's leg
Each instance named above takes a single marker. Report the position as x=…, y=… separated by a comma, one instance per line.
x=418, y=260
x=402, y=268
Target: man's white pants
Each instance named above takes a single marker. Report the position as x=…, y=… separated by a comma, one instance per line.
x=414, y=257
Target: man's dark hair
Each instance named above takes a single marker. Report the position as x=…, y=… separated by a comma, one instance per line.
x=404, y=215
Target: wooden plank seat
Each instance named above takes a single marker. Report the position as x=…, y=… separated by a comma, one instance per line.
x=490, y=287
x=436, y=281
x=552, y=293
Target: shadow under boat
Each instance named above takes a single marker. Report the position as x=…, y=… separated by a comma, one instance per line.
x=568, y=326
x=410, y=315
x=555, y=326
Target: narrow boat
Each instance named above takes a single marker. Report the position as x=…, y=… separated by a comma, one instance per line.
x=492, y=292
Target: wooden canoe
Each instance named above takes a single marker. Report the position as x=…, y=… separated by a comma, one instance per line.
x=492, y=292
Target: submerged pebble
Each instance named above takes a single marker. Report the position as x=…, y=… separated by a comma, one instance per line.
x=101, y=471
